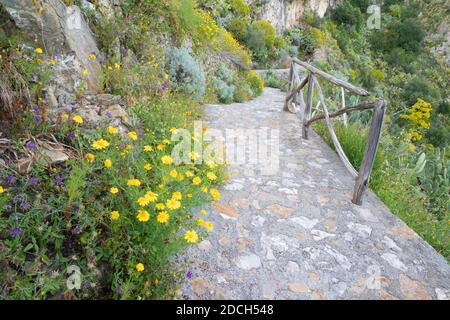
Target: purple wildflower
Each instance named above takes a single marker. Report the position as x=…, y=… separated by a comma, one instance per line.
x=109, y=115
x=15, y=232
x=24, y=205
x=77, y=229
x=58, y=180
x=31, y=145
x=10, y=179
x=35, y=110
x=37, y=118
x=86, y=285
x=71, y=135
x=189, y=274
x=33, y=181
x=119, y=290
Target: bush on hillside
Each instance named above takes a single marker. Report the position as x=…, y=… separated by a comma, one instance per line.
x=186, y=73
x=255, y=82
x=238, y=28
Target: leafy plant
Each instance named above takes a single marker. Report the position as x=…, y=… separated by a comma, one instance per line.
x=186, y=73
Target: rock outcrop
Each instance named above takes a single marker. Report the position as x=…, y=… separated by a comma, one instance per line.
x=287, y=13
x=64, y=34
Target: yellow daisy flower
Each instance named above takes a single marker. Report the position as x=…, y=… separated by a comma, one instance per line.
x=100, y=144
x=160, y=147
x=2, y=190
x=108, y=163
x=143, y=216
x=200, y=222
x=115, y=215
x=173, y=173
x=191, y=236
x=215, y=194
x=148, y=166
x=133, y=135
x=89, y=157
x=196, y=181
x=209, y=226
x=112, y=130
x=173, y=204
x=160, y=206
x=163, y=217
x=39, y=51
x=134, y=182
x=140, y=267
x=114, y=190
x=203, y=211
x=189, y=174
x=148, y=148
x=151, y=196
x=167, y=160
x=211, y=176
x=177, y=195
x=77, y=119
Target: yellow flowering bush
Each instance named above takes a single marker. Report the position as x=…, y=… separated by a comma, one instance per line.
x=418, y=117
x=148, y=203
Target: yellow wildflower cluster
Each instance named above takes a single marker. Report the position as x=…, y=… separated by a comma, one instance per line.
x=418, y=117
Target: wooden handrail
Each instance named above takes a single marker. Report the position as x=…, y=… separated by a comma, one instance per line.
x=296, y=90
x=329, y=77
x=358, y=107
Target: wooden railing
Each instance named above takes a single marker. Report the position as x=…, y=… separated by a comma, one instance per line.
x=294, y=97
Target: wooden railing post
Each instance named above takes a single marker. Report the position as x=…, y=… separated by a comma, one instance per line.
x=308, y=107
x=370, y=152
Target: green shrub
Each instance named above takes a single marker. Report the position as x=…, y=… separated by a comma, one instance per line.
x=346, y=13
x=271, y=79
x=186, y=73
x=419, y=87
x=255, y=82
x=261, y=35
x=238, y=28
x=303, y=40
x=239, y=7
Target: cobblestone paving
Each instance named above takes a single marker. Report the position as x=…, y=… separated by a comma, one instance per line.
x=294, y=233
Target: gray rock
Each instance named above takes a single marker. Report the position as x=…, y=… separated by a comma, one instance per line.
x=251, y=261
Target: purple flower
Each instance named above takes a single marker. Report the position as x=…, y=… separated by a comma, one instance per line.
x=119, y=290
x=189, y=274
x=35, y=110
x=31, y=145
x=24, y=205
x=76, y=230
x=10, y=179
x=33, y=181
x=73, y=103
x=37, y=118
x=71, y=135
x=15, y=232
x=86, y=285
x=109, y=115
x=58, y=180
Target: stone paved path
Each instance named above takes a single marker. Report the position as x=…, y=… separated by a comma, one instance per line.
x=296, y=235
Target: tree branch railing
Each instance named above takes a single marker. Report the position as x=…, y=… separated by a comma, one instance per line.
x=295, y=96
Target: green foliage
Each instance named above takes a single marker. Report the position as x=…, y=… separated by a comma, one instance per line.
x=261, y=35
x=303, y=40
x=255, y=82
x=186, y=73
x=239, y=7
x=434, y=181
x=419, y=88
x=271, y=79
x=346, y=13
x=397, y=188
x=238, y=28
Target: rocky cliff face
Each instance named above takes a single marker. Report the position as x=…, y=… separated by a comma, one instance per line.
x=287, y=13
x=62, y=32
